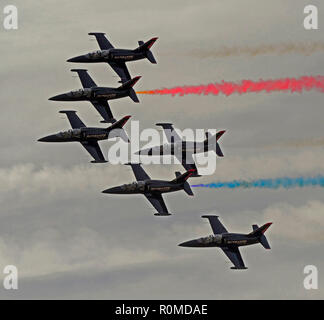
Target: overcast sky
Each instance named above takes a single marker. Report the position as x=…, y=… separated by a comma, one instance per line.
x=68, y=240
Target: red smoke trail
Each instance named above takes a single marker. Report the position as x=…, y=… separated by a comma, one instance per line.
x=305, y=83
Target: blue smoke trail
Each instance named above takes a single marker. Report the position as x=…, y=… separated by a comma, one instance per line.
x=284, y=182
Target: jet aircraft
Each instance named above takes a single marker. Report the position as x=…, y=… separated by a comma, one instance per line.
x=153, y=189
x=87, y=136
x=98, y=96
x=230, y=242
x=117, y=58
x=183, y=150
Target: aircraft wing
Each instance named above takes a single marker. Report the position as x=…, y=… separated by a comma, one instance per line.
x=86, y=80
x=216, y=225
x=139, y=172
x=75, y=121
x=95, y=151
x=233, y=253
x=121, y=69
x=157, y=202
x=104, y=109
x=170, y=133
x=103, y=42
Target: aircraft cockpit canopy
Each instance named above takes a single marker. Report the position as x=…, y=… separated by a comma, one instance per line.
x=98, y=54
x=214, y=238
x=72, y=133
x=137, y=185
x=76, y=93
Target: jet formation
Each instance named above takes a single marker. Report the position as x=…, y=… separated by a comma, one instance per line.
x=183, y=150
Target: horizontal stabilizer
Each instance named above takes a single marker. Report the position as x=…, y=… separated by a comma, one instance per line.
x=133, y=95
x=263, y=240
x=150, y=57
x=187, y=189
x=218, y=150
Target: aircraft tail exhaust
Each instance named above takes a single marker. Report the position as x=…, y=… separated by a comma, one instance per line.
x=146, y=48
x=128, y=85
x=216, y=147
x=259, y=232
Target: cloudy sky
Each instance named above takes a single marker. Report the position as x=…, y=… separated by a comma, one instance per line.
x=68, y=240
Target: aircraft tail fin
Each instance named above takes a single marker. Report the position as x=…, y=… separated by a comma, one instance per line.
x=186, y=186
x=259, y=232
x=128, y=85
x=216, y=147
x=120, y=123
x=182, y=178
x=145, y=46
x=116, y=129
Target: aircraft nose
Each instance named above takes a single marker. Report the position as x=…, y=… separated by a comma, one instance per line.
x=114, y=190
x=50, y=138
x=60, y=97
x=82, y=58
x=190, y=243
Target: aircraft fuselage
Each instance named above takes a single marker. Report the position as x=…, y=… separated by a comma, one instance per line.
x=146, y=186
x=80, y=135
x=221, y=240
x=182, y=147
x=110, y=55
x=92, y=94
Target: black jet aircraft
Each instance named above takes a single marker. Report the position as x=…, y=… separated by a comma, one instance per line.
x=183, y=150
x=117, y=58
x=98, y=96
x=87, y=136
x=229, y=242
x=153, y=189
